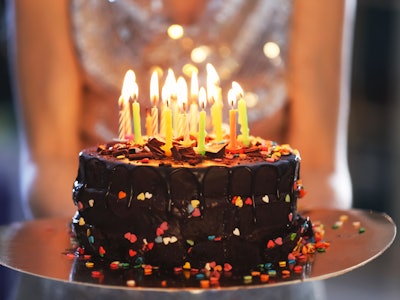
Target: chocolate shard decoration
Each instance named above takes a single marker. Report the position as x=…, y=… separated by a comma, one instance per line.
x=140, y=155
x=155, y=147
x=216, y=150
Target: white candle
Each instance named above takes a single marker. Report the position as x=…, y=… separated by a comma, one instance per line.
x=154, y=95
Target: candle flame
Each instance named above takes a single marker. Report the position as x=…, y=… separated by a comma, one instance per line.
x=171, y=82
x=232, y=97
x=182, y=93
x=135, y=91
x=238, y=89
x=212, y=83
x=154, y=89
x=165, y=94
x=194, y=85
x=202, y=98
x=128, y=85
x=212, y=75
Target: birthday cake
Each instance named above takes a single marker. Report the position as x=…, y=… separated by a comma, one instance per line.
x=179, y=207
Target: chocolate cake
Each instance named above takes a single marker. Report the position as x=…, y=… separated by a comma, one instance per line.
x=239, y=210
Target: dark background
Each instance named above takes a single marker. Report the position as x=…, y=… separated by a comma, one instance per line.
x=374, y=144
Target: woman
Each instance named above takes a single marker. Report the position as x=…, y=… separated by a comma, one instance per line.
x=68, y=77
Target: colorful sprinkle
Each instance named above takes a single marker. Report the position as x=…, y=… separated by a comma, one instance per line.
x=247, y=279
x=282, y=263
x=131, y=283
x=270, y=244
x=91, y=202
x=227, y=267
x=81, y=221
x=265, y=199
x=132, y=253
x=186, y=266
x=287, y=198
x=130, y=237
x=121, y=195
x=204, y=283
x=264, y=277
x=236, y=231
x=102, y=251
x=141, y=197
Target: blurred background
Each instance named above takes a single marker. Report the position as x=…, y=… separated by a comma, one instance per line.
x=374, y=144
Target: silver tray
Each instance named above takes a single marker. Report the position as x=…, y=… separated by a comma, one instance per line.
x=40, y=248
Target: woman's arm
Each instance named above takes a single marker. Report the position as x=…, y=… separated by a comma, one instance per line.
x=47, y=85
x=319, y=87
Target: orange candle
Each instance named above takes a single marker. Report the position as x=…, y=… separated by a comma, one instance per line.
x=148, y=123
x=232, y=121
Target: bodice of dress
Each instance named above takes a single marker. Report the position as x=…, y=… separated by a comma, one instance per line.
x=246, y=41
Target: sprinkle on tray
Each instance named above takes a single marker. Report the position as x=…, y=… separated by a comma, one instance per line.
x=131, y=283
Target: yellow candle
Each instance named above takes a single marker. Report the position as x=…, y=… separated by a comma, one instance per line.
x=154, y=95
x=213, y=97
x=168, y=130
x=166, y=117
x=232, y=121
x=136, y=117
x=201, y=138
x=242, y=118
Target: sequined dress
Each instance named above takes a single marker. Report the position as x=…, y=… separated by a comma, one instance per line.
x=246, y=41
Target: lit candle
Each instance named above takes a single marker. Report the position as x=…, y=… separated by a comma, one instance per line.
x=173, y=103
x=201, y=138
x=148, y=123
x=242, y=111
x=232, y=121
x=122, y=119
x=136, y=116
x=164, y=97
x=193, y=110
x=182, y=95
x=124, y=122
x=213, y=91
x=167, y=119
x=154, y=95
